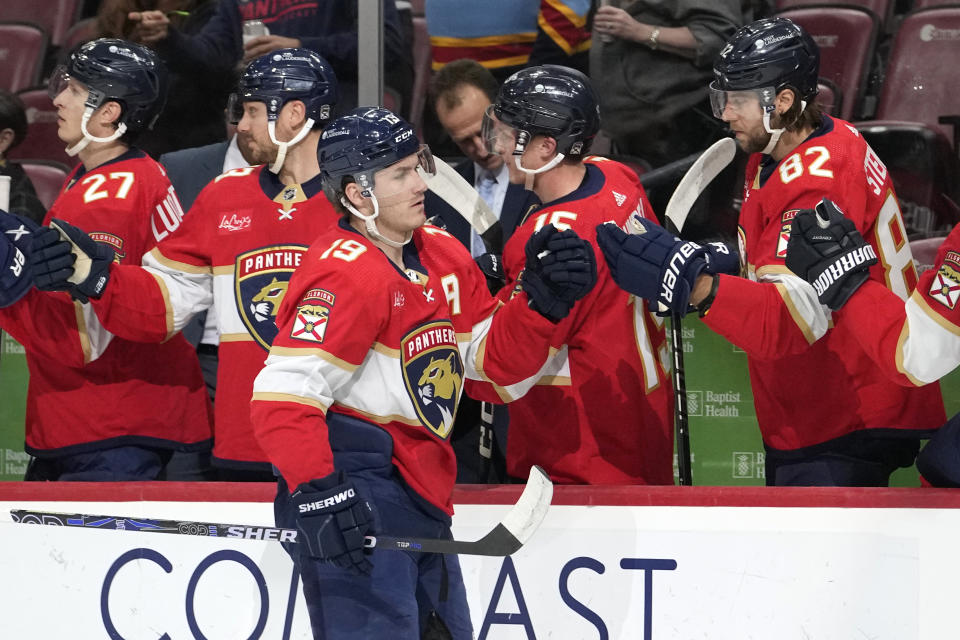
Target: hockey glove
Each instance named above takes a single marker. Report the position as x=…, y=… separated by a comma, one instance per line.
x=67, y=259
x=16, y=271
x=653, y=264
x=826, y=250
x=560, y=269
x=333, y=520
x=721, y=259
x=491, y=265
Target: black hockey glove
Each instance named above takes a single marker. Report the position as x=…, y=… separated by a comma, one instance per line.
x=826, y=250
x=491, y=265
x=560, y=269
x=333, y=519
x=654, y=264
x=67, y=259
x=16, y=247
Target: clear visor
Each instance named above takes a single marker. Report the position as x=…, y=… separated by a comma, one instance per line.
x=234, y=109
x=498, y=136
x=741, y=102
x=58, y=82
x=395, y=179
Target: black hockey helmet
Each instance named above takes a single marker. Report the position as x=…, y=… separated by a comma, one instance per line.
x=772, y=53
x=364, y=141
x=116, y=70
x=554, y=101
x=288, y=74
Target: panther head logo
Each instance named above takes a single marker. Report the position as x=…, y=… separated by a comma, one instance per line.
x=264, y=305
x=439, y=380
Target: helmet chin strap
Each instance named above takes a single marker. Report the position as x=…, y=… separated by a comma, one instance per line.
x=283, y=146
x=371, y=225
x=89, y=137
x=775, y=133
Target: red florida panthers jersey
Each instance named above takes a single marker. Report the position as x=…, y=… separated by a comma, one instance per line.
x=812, y=383
x=600, y=410
x=917, y=342
x=361, y=338
x=89, y=389
x=236, y=250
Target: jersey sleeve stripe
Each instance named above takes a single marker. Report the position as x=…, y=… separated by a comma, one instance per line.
x=166, y=302
x=319, y=353
x=272, y=396
x=236, y=337
x=176, y=265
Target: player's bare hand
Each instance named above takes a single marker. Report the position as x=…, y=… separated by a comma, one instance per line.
x=152, y=26
x=256, y=47
x=614, y=21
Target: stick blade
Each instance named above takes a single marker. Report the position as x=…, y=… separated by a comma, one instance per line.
x=453, y=188
x=701, y=173
x=530, y=510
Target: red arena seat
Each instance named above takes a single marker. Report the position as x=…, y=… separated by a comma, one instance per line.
x=22, y=50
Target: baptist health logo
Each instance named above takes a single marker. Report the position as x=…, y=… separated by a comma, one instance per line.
x=713, y=404
x=749, y=465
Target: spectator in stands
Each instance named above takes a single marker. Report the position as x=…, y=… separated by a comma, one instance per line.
x=193, y=115
x=651, y=64
x=328, y=28
x=13, y=128
x=460, y=93
x=562, y=34
x=101, y=408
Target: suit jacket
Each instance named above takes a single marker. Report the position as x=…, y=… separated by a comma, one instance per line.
x=191, y=169
x=516, y=202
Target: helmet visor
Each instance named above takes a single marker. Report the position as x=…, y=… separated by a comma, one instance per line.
x=395, y=178
x=234, y=109
x=58, y=81
x=498, y=136
x=740, y=101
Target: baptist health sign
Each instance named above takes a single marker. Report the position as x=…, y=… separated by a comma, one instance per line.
x=627, y=572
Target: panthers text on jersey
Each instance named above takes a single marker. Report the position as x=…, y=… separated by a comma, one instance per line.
x=87, y=389
x=915, y=342
x=810, y=383
x=600, y=411
x=236, y=249
x=364, y=347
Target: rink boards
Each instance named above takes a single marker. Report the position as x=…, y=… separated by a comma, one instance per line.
x=609, y=562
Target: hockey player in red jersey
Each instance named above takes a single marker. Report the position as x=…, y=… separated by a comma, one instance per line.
x=600, y=410
x=244, y=236
x=102, y=409
x=381, y=325
x=915, y=342
x=827, y=414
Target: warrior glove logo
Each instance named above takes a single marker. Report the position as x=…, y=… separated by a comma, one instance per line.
x=846, y=263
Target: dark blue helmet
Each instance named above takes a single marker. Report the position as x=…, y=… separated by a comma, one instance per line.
x=554, y=101
x=116, y=70
x=364, y=141
x=288, y=74
x=773, y=52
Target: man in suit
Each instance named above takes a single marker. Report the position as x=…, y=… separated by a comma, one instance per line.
x=460, y=93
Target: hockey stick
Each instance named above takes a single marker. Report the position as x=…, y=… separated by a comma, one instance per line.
x=694, y=182
x=707, y=167
x=460, y=194
x=508, y=536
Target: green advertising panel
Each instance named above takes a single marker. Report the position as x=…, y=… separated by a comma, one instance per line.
x=13, y=395
x=725, y=443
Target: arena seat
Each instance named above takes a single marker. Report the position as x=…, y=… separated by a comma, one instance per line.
x=80, y=32
x=929, y=4
x=47, y=178
x=829, y=97
x=915, y=131
x=847, y=38
x=41, y=142
x=22, y=49
x=54, y=16
x=883, y=9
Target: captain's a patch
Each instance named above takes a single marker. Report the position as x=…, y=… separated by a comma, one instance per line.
x=313, y=316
